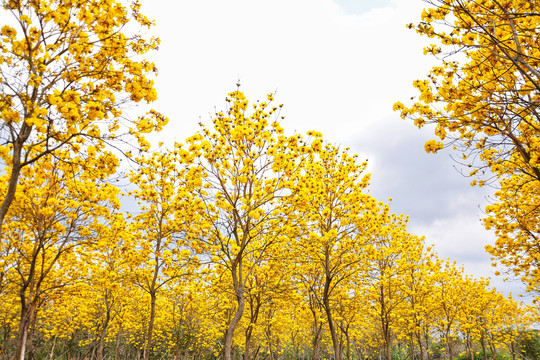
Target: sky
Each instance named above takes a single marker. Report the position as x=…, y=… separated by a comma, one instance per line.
x=337, y=66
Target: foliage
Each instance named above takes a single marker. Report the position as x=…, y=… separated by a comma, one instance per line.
x=66, y=69
x=482, y=99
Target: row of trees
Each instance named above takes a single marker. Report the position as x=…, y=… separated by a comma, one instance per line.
x=245, y=241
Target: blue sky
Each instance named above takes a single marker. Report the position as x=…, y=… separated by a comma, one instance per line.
x=337, y=66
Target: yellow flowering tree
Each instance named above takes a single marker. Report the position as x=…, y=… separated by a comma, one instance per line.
x=168, y=214
x=390, y=263
x=66, y=68
x=58, y=208
x=449, y=285
x=243, y=165
x=335, y=212
x=483, y=100
x=417, y=286
x=109, y=262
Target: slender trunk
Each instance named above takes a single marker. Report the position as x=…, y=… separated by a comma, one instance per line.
x=421, y=346
x=28, y=300
x=255, y=305
x=153, y=295
x=450, y=348
x=232, y=326
x=248, y=338
x=100, y=346
x=468, y=347
x=326, y=305
x=513, y=347
x=493, y=350
x=484, y=349
x=23, y=337
x=240, y=299
x=117, y=345
x=411, y=347
x=333, y=333
x=274, y=353
x=348, y=345
x=386, y=335
x=385, y=323
x=426, y=339
x=316, y=341
x=150, y=331
x=27, y=318
x=69, y=346
x=16, y=166
x=387, y=347
x=103, y=333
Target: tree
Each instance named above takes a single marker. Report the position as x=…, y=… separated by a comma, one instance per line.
x=165, y=220
x=335, y=213
x=418, y=281
x=59, y=207
x=390, y=263
x=243, y=167
x=448, y=289
x=66, y=68
x=109, y=263
x=483, y=100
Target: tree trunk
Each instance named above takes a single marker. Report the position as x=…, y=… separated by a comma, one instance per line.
x=148, y=348
x=513, y=347
x=484, y=349
x=348, y=345
x=316, y=341
x=27, y=318
x=493, y=349
x=411, y=347
x=385, y=324
x=387, y=348
x=326, y=305
x=333, y=333
x=153, y=294
x=103, y=333
x=255, y=307
x=468, y=347
x=426, y=339
x=240, y=299
x=421, y=346
x=450, y=348
x=246, y=348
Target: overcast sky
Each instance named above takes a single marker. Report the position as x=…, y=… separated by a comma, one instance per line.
x=337, y=66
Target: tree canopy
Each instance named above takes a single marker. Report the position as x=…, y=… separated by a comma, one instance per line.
x=483, y=100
